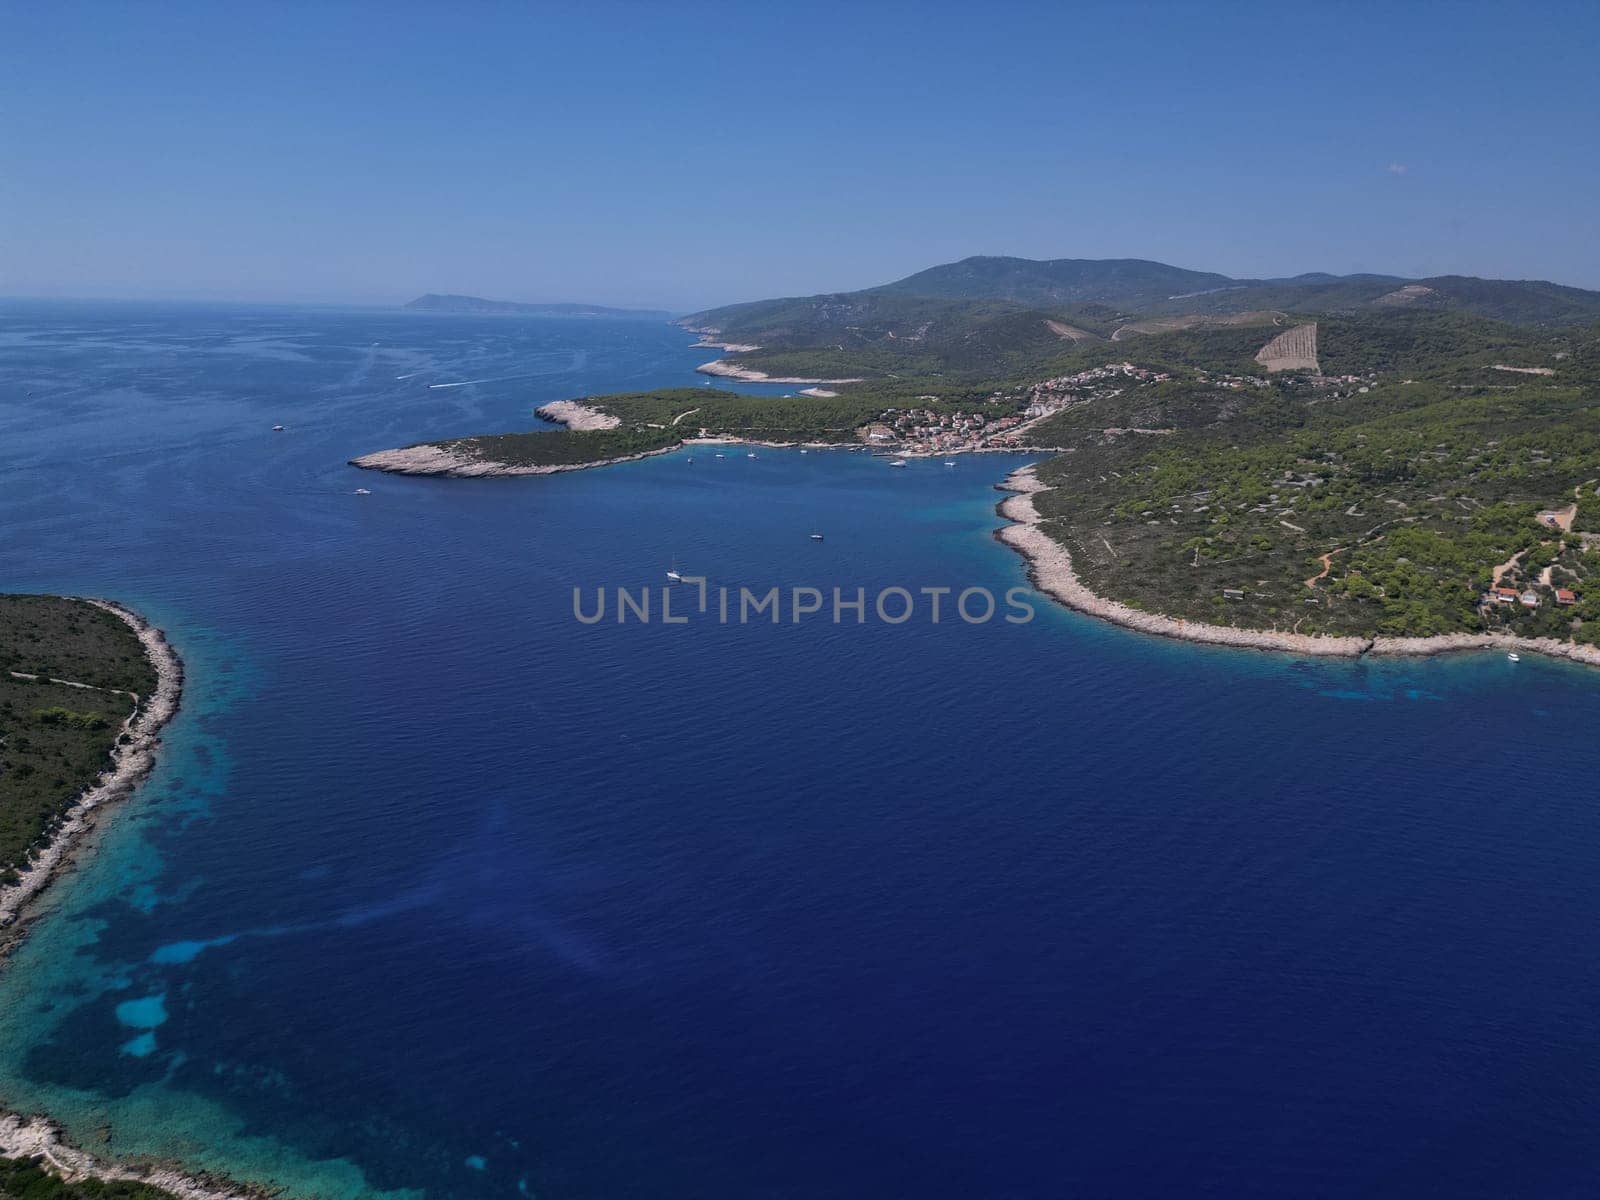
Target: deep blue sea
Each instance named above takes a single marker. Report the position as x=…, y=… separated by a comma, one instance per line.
x=438, y=891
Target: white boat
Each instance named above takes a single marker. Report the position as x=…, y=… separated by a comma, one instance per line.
x=1514, y=656
x=362, y=492
x=277, y=429
x=816, y=537
x=899, y=462
x=690, y=459
x=675, y=577
x=752, y=454
x=948, y=463
x=720, y=454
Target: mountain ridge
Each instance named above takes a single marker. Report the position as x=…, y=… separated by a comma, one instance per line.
x=1130, y=288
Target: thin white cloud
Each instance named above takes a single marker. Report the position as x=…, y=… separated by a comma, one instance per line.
x=1397, y=168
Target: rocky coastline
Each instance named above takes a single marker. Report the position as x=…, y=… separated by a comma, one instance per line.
x=1050, y=568
x=723, y=369
x=708, y=340
x=39, y=1137
x=446, y=460
x=132, y=759
x=707, y=343
x=457, y=459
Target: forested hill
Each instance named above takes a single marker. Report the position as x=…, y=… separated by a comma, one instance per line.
x=434, y=302
x=1126, y=282
x=1095, y=293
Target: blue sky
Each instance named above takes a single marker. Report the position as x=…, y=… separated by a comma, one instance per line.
x=681, y=155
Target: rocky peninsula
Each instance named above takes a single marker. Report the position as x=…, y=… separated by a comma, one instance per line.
x=464, y=459
x=593, y=439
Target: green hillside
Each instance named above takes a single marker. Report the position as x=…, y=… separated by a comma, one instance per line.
x=1417, y=479
x=1126, y=282
x=55, y=739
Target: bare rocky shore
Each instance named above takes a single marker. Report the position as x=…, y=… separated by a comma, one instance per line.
x=576, y=415
x=1050, y=567
x=705, y=343
x=708, y=340
x=34, y=1137
x=723, y=369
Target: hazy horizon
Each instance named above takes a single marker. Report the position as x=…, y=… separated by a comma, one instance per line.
x=200, y=297
x=681, y=159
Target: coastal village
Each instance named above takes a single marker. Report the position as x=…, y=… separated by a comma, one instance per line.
x=924, y=431
x=932, y=431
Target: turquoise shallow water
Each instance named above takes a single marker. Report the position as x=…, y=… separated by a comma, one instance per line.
x=437, y=890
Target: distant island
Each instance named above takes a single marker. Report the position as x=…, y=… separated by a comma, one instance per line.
x=434, y=302
x=1323, y=464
